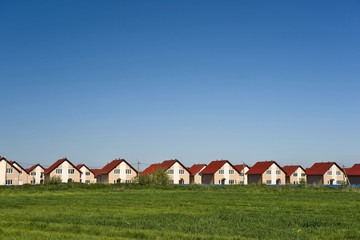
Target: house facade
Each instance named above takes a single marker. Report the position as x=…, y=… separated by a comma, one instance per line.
x=243, y=169
x=23, y=174
x=87, y=175
x=266, y=172
x=220, y=172
x=36, y=174
x=117, y=171
x=294, y=174
x=63, y=169
x=325, y=173
x=353, y=174
x=195, y=176
x=9, y=174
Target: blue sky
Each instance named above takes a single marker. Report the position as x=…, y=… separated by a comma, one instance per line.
x=193, y=80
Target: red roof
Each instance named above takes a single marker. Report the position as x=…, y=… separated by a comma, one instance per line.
x=113, y=164
x=83, y=165
x=354, y=171
x=56, y=164
x=165, y=164
x=33, y=167
x=290, y=169
x=214, y=166
x=240, y=167
x=17, y=166
x=261, y=167
x=96, y=172
x=195, y=169
x=320, y=168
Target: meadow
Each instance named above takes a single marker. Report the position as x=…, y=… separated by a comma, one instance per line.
x=126, y=211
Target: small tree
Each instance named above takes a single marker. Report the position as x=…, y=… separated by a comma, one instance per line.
x=160, y=176
x=302, y=181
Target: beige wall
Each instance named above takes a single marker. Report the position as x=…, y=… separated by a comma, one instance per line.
x=14, y=176
x=297, y=175
x=2, y=172
x=176, y=176
x=87, y=178
x=65, y=166
x=23, y=176
x=273, y=177
x=197, y=176
x=243, y=178
x=113, y=178
x=38, y=177
x=337, y=178
x=235, y=177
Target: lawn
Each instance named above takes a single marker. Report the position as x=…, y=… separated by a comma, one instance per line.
x=77, y=211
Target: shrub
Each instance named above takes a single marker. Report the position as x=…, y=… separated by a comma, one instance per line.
x=54, y=180
x=158, y=177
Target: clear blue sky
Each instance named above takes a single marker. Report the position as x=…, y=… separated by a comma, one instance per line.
x=193, y=80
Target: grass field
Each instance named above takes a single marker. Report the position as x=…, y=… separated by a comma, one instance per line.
x=76, y=211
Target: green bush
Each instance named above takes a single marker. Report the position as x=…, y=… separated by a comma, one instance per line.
x=158, y=177
x=54, y=180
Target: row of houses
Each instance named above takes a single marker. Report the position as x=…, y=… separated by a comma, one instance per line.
x=217, y=172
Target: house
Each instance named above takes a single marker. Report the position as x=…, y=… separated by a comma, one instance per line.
x=195, y=176
x=220, y=172
x=294, y=174
x=9, y=174
x=243, y=169
x=353, y=174
x=23, y=175
x=266, y=172
x=87, y=175
x=177, y=172
x=36, y=174
x=117, y=171
x=325, y=173
x=64, y=169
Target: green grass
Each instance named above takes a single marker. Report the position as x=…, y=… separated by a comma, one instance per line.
x=76, y=211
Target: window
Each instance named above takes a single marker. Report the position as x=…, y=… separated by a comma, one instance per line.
x=172, y=181
x=87, y=181
x=268, y=172
x=295, y=174
x=33, y=173
x=221, y=171
x=171, y=172
x=338, y=182
x=231, y=171
x=303, y=174
x=32, y=182
x=182, y=171
x=9, y=170
x=241, y=182
x=241, y=174
x=231, y=181
x=278, y=172
x=8, y=182
x=117, y=171
x=268, y=182
x=128, y=181
x=58, y=171
x=128, y=171
x=71, y=171
x=329, y=172
x=87, y=173
x=338, y=173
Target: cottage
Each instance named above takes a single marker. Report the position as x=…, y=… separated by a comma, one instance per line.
x=353, y=174
x=177, y=172
x=36, y=174
x=87, y=175
x=195, y=176
x=117, y=171
x=294, y=174
x=220, y=172
x=9, y=174
x=243, y=169
x=325, y=173
x=64, y=169
x=266, y=172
